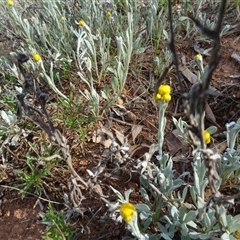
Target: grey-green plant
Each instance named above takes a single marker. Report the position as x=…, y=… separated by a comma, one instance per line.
x=33, y=177
x=168, y=208
x=229, y=164
x=92, y=47
x=156, y=25
x=102, y=50
x=180, y=209
x=9, y=132
x=37, y=168
x=70, y=114
x=26, y=21
x=57, y=226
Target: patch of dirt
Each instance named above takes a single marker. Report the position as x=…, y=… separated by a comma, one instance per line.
x=19, y=218
x=96, y=222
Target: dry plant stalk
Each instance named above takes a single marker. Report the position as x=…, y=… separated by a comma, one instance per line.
x=30, y=85
x=195, y=104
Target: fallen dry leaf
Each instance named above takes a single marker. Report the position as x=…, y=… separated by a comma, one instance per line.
x=220, y=147
x=236, y=57
x=173, y=143
x=210, y=115
x=138, y=151
x=191, y=77
x=96, y=136
x=107, y=142
x=121, y=138
x=136, y=129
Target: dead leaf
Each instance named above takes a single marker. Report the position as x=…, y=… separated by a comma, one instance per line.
x=136, y=129
x=138, y=151
x=121, y=138
x=107, y=143
x=236, y=57
x=191, y=77
x=180, y=135
x=210, y=115
x=202, y=51
x=220, y=147
x=96, y=137
x=107, y=132
x=173, y=143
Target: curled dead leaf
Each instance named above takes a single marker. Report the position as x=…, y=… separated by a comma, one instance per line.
x=136, y=129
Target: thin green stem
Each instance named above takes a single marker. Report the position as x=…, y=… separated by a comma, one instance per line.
x=161, y=126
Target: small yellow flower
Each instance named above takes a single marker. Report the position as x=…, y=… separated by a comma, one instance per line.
x=163, y=93
x=157, y=96
x=108, y=14
x=36, y=57
x=237, y=234
x=199, y=57
x=63, y=18
x=207, y=137
x=127, y=211
x=81, y=23
x=10, y=3
x=164, y=89
x=166, y=97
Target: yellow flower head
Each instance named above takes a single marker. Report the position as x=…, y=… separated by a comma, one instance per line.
x=237, y=233
x=81, y=23
x=163, y=93
x=63, y=18
x=127, y=211
x=10, y=3
x=164, y=89
x=199, y=57
x=36, y=57
x=108, y=14
x=207, y=137
x=166, y=97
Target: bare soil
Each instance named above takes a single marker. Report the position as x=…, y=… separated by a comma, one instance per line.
x=19, y=218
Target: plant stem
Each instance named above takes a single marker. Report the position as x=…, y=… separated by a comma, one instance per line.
x=161, y=126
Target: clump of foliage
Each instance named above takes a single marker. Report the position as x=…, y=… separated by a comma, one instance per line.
x=63, y=45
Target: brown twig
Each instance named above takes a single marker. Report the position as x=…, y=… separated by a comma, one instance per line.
x=195, y=105
x=39, y=116
x=172, y=45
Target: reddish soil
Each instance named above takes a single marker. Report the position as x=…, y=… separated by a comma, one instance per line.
x=19, y=218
